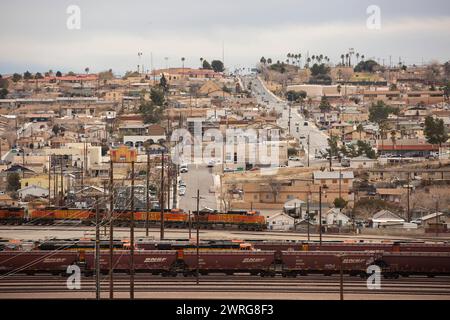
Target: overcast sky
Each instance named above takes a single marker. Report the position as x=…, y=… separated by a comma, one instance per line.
x=34, y=34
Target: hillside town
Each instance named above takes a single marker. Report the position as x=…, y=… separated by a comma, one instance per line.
x=361, y=146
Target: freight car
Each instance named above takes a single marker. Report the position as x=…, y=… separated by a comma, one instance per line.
x=31, y=262
x=155, y=262
x=328, y=262
x=263, y=263
x=280, y=246
x=230, y=262
x=415, y=263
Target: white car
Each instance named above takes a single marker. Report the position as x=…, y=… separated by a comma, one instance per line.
x=184, y=168
x=181, y=191
x=294, y=158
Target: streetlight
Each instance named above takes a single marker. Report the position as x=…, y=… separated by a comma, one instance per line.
x=139, y=56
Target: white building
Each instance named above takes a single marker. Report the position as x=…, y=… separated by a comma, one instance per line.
x=35, y=191
x=385, y=218
x=336, y=217
x=280, y=222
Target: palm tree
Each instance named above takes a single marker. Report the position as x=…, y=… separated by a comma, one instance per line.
x=357, y=56
x=360, y=129
x=362, y=57
x=182, y=61
x=288, y=57
x=299, y=59
x=201, y=63
x=342, y=57
x=347, y=57
x=393, y=138
x=86, y=70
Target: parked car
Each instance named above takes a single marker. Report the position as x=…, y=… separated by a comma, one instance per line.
x=292, y=158
x=181, y=191
x=184, y=168
x=228, y=170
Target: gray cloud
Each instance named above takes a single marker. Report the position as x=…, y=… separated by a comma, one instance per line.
x=35, y=36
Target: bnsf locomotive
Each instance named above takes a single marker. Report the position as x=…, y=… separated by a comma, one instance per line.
x=174, y=218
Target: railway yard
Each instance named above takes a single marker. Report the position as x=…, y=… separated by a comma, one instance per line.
x=284, y=266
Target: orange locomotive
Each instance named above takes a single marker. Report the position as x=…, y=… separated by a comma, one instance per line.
x=174, y=218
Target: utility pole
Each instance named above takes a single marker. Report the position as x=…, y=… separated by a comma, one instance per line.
x=197, y=215
x=147, y=202
x=308, y=148
x=49, y=178
x=408, y=196
x=437, y=219
x=132, y=234
x=55, y=186
x=82, y=175
x=174, y=185
x=169, y=176
x=190, y=225
x=307, y=214
x=320, y=216
x=97, y=250
x=62, y=184
x=111, y=230
x=341, y=277
x=161, y=197
x=340, y=184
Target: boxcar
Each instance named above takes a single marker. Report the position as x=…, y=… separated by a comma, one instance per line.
x=416, y=263
x=31, y=262
x=154, y=261
x=230, y=262
x=327, y=262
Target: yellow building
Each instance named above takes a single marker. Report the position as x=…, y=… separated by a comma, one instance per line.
x=123, y=154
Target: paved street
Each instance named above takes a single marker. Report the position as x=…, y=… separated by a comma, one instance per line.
x=318, y=139
x=199, y=177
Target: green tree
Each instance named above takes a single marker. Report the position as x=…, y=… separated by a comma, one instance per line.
x=13, y=182
x=435, y=131
x=27, y=75
x=319, y=69
x=151, y=112
x=58, y=74
x=360, y=129
x=295, y=96
x=340, y=203
x=325, y=105
x=163, y=84
x=157, y=96
x=367, y=66
x=3, y=93
x=206, y=65
x=379, y=112
x=106, y=75
x=16, y=77
x=217, y=66
x=38, y=75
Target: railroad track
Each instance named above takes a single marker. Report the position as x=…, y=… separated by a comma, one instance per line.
x=314, y=284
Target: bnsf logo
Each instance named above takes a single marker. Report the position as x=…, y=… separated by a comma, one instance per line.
x=253, y=260
x=153, y=260
x=54, y=260
x=348, y=260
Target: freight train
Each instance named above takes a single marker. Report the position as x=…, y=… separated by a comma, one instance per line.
x=175, y=218
x=257, y=263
